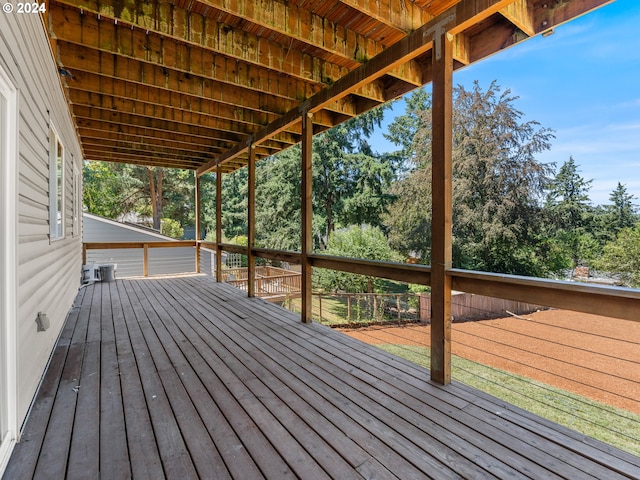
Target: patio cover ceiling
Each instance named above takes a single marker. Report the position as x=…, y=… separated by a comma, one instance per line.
x=189, y=83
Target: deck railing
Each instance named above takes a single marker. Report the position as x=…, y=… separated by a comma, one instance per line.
x=610, y=301
x=145, y=246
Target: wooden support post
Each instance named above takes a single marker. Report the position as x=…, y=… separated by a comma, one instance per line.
x=198, y=213
x=84, y=254
x=251, y=223
x=442, y=207
x=145, y=260
x=218, y=223
x=307, y=214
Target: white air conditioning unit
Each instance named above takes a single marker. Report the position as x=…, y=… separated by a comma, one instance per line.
x=91, y=273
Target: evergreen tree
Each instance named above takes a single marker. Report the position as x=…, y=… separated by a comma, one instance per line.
x=234, y=203
x=569, y=210
x=350, y=181
x=497, y=183
x=622, y=211
x=278, y=200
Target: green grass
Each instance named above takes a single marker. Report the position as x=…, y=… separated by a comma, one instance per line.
x=614, y=426
x=335, y=311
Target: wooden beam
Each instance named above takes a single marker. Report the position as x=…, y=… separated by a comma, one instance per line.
x=110, y=133
x=138, y=143
x=79, y=33
x=173, y=22
x=251, y=222
x=78, y=59
x=441, y=224
x=145, y=260
x=86, y=85
x=468, y=13
x=107, y=37
x=303, y=26
x=118, y=146
x=218, y=223
x=401, y=16
x=550, y=14
x=495, y=38
x=230, y=247
x=99, y=90
x=419, y=274
x=456, y=19
x=128, y=78
x=150, y=159
x=461, y=49
x=225, y=123
x=614, y=302
x=520, y=13
x=126, y=245
x=155, y=123
x=307, y=215
x=198, y=215
x=278, y=255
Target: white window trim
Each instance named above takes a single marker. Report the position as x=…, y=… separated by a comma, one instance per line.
x=54, y=140
x=77, y=199
x=9, y=274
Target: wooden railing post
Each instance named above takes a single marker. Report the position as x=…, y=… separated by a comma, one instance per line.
x=251, y=224
x=307, y=214
x=442, y=206
x=198, y=213
x=84, y=254
x=145, y=260
x=218, y=223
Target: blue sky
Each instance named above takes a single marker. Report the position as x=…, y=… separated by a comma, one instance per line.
x=583, y=82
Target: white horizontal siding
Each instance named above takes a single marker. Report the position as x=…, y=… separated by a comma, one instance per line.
x=130, y=260
x=48, y=272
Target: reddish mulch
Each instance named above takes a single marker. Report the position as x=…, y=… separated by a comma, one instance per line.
x=593, y=356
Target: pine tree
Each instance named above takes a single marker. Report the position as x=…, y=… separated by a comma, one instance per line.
x=622, y=212
x=569, y=209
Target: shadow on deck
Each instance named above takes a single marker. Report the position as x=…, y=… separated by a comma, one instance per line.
x=183, y=378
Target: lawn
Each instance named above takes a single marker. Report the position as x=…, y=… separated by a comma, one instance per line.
x=332, y=309
x=595, y=419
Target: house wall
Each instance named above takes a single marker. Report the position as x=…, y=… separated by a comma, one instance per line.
x=49, y=271
x=130, y=261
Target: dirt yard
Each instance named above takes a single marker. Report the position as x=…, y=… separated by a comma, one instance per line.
x=593, y=356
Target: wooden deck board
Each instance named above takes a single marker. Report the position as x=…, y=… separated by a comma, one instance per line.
x=395, y=410
x=181, y=378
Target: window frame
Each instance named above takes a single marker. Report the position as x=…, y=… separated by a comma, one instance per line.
x=57, y=187
x=9, y=146
x=77, y=199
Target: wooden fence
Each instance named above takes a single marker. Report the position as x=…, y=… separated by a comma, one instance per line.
x=467, y=306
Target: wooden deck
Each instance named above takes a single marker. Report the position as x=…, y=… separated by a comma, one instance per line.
x=183, y=378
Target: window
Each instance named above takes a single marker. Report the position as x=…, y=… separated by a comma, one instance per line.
x=56, y=187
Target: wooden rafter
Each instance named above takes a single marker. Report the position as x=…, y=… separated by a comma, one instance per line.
x=467, y=12
x=520, y=13
x=210, y=77
x=401, y=16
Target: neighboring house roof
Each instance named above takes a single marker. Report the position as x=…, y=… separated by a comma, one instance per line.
x=98, y=229
x=102, y=229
